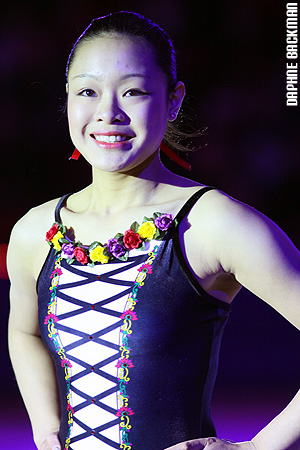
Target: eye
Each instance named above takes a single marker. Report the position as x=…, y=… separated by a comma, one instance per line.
x=134, y=93
x=87, y=93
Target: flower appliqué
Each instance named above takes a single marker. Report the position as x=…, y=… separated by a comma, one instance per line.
x=135, y=237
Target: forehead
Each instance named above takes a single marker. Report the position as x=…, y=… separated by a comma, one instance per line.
x=117, y=54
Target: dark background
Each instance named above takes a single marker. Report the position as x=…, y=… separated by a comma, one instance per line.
x=231, y=56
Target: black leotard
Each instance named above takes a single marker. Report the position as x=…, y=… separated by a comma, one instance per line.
x=135, y=345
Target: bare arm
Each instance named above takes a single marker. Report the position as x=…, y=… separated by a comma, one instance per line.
x=280, y=434
x=272, y=271
x=284, y=431
x=262, y=258
x=265, y=261
x=31, y=361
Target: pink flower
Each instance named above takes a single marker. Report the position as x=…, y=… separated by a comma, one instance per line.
x=129, y=315
x=124, y=363
x=52, y=232
x=56, y=272
x=131, y=239
x=80, y=255
x=65, y=363
x=51, y=318
x=145, y=268
x=124, y=412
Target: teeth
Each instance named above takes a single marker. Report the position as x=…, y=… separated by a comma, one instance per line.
x=109, y=139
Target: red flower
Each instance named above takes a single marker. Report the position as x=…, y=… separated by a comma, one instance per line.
x=56, y=272
x=69, y=408
x=124, y=412
x=52, y=232
x=129, y=315
x=131, y=239
x=125, y=363
x=80, y=255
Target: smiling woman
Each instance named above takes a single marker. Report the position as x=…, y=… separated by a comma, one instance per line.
x=120, y=104
x=133, y=296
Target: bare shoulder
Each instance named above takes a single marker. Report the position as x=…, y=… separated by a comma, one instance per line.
x=34, y=222
x=230, y=229
x=241, y=237
x=27, y=246
x=217, y=209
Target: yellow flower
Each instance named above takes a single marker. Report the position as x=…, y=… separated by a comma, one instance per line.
x=55, y=242
x=147, y=230
x=97, y=255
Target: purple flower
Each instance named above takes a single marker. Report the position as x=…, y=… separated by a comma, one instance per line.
x=164, y=221
x=116, y=249
x=68, y=251
x=111, y=243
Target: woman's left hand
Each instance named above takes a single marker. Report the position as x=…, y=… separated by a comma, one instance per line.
x=212, y=443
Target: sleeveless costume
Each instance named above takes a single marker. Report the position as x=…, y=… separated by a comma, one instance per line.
x=135, y=345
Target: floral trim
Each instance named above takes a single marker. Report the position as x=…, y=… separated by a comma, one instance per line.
x=124, y=363
x=118, y=247
x=50, y=321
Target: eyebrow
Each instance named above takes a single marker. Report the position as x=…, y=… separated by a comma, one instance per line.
x=124, y=77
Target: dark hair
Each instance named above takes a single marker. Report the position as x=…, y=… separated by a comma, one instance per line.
x=137, y=26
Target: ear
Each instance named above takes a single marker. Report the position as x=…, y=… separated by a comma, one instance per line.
x=175, y=100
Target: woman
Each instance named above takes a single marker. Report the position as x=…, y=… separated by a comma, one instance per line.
x=133, y=321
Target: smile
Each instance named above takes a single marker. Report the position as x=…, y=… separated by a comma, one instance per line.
x=111, y=139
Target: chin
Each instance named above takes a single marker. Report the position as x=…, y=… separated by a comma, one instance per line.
x=124, y=163
x=112, y=167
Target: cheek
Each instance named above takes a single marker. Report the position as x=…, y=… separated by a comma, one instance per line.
x=155, y=113
x=71, y=112
x=76, y=116
x=156, y=118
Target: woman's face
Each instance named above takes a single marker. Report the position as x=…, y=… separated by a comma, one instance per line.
x=118, y=104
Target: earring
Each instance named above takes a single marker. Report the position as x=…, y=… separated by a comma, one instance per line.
x=75, y=154
x=173, y=115
x=172, y=155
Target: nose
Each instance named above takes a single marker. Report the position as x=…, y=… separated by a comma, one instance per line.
x=108, y=110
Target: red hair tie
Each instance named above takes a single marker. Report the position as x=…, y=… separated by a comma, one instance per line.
x=172, y=155
x=75, y=154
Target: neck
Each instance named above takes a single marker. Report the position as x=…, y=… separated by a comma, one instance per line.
x=114, y=192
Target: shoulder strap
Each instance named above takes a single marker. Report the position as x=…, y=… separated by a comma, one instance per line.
x=62, y=201
x=190, y=203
